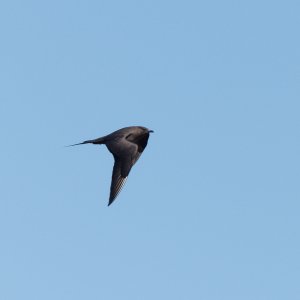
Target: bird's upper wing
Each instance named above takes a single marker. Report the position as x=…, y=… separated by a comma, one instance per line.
x=140, y=142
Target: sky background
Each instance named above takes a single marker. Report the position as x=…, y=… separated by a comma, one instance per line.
x=211, y=209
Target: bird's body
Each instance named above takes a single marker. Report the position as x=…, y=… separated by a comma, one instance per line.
x=126, y=145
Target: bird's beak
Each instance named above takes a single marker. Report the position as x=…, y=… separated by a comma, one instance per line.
x=150, y=131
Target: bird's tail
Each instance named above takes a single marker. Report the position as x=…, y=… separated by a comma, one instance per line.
x=85, y=142
x=98, y=141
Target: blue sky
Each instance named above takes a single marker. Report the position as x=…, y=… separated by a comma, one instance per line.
x=211, y=210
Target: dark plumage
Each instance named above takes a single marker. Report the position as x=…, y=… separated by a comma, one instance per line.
x=126, y=145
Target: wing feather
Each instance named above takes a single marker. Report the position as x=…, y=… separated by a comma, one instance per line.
x=126, y=153
x=117, y=181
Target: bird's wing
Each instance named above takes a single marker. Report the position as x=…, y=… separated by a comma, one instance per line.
x=117, y=181
x=123, y=164
x=126, y=153
x=141, y=143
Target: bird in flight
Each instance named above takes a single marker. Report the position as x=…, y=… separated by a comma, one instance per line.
x=126, y=145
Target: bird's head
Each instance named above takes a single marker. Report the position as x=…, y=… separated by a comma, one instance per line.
x=144, y=130
x=137, y=133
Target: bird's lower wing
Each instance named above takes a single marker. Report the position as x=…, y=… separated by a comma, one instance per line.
x=125, y=154
x=117, y=181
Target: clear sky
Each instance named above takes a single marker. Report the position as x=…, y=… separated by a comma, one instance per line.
x=211, y=209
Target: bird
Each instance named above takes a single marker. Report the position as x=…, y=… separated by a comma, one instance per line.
x=126, y=145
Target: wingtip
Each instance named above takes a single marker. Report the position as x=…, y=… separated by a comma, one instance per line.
x=110, y=201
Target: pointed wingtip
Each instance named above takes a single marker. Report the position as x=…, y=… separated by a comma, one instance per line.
x=110, y=201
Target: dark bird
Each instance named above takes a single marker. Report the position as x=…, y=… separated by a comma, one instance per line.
x=126, y=145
